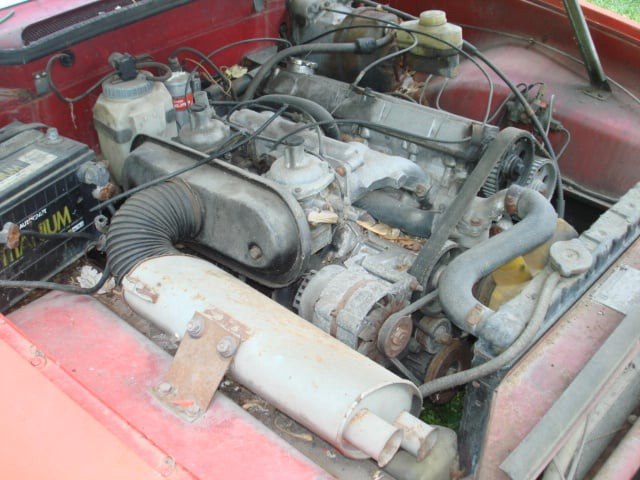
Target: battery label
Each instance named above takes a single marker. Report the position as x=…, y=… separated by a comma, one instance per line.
x=58, y=220
x=15, y=169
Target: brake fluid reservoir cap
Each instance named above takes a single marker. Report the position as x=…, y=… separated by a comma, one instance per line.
x=115, y=89
x=433, y=18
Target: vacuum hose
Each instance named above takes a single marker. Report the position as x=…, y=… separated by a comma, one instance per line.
x=150, y=223
x=317, y=111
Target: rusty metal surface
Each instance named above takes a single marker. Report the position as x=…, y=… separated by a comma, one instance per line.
x=538, y=380
x=575, y=408
x=454, y=357
x=202, y=360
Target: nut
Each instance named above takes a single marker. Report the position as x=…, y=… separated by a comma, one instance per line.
x=192, y=410
x=195, y=328
x=227, y=346
x=165, y=388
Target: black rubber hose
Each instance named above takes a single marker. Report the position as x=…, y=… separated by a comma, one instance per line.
x=361, y=46
x=315, y=110
x=150, y=223
x=391, y=211
x=538, y=225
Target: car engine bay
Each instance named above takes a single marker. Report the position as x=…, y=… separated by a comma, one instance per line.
x=343, y=247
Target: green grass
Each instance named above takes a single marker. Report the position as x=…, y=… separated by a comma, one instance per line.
x=447, y=415
x=628, y=8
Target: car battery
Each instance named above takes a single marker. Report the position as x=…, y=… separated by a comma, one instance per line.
x=40, y=190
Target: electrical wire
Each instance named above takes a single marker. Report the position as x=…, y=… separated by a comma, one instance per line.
x=223, y=150
x=395, y=26
x=560, y=204
x=208, y=62
x=250, y=40
x=383, y=59
x=257, y=103
x=34, y=284
x=373, y=126
x=499, y=108
x=533, y=41
x=424, y=88
x=56, y=91
x=58, y=235
x=566, y=143
x=156, y=78
x=104, y=78
x=444, y=85
x=514, y=351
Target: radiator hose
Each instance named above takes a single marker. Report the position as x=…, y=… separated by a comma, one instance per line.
x=537, y=225
x=150, y=223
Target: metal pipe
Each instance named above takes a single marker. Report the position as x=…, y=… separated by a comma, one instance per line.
x=624, y=462
x=587, y=48
x=536, y=227
x=284, y=359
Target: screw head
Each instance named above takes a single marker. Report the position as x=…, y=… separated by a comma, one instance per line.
x=227, y=346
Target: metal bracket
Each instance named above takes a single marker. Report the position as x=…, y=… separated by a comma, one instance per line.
x=41, y=83
x=202, y=359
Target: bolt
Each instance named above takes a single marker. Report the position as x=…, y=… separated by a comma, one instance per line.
x=421, y=190
x=195, y=328
x=52, y=135
x=340, y=170
x=475, y=384
x=192, y=410
x=37, y=361
x=399, y=337
x=165, y=388
x=255, y=251
x=227, y=346
x=476, y=222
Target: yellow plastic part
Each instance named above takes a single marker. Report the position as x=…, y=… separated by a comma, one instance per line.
x=511, y=278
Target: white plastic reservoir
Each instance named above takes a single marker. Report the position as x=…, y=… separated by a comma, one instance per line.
x=126, y=109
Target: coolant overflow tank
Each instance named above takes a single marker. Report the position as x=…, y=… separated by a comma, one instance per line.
x=126, y=109
x=437, y=49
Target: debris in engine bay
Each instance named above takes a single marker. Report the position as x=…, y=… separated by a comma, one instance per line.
x=392, y=234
